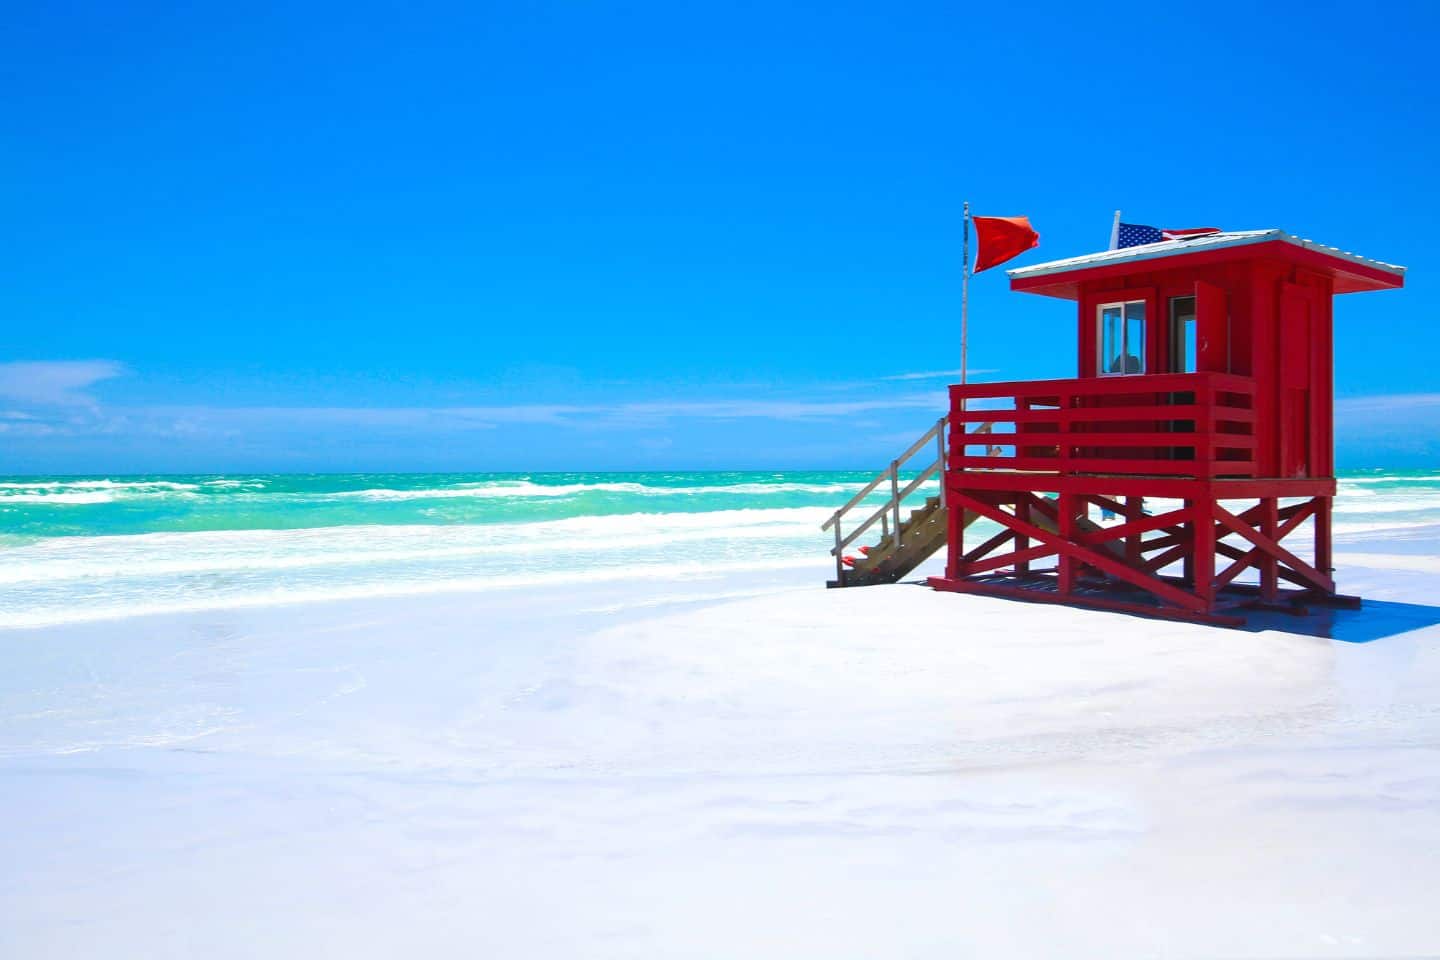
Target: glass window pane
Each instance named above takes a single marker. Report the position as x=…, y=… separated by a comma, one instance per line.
x=1112, y=342
x=1135, y=337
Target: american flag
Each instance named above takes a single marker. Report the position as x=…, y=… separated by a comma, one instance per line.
x=1135, y=234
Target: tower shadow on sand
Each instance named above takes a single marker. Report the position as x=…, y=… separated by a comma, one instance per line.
x=1375, y=620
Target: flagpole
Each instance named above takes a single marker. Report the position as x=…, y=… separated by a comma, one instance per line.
x=1115, y=232
x=965, y=300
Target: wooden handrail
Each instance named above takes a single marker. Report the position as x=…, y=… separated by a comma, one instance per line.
x=888, y=513
x=1129, y=383
x=889, y=505
x=884, y=475
x=1083, y=414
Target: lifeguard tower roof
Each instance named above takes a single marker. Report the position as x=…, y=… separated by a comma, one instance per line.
x=1350, y=272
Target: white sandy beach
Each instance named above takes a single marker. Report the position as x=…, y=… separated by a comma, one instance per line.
x=746, y=765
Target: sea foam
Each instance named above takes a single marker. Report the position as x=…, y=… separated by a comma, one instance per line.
x=85, y=549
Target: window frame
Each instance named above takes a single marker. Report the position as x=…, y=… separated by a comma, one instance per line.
x=1099, y=308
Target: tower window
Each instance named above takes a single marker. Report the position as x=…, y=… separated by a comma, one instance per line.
x=1122, y=337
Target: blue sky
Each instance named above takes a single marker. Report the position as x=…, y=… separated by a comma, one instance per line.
x=670, y=235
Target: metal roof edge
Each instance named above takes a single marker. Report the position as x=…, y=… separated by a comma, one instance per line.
x=1203, y=242
x=1343, y=254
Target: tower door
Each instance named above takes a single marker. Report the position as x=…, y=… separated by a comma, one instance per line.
x=1200, y=331
x=1297, y=320
x=1212, y=329
x=1199, y=341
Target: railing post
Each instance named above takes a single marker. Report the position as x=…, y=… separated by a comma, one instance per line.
x=940, y=451
x=895, y=499
x=1065, y=404
x=1187, y=567
x=1134, y=510
x=1324, y=561
x=1066, y=526
x=839, y=560
x=1269, y=567
x=1202, y=520
x=1206, y=457
x=1022, y=542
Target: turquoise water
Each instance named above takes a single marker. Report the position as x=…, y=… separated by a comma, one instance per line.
x=68, y=506
x=77, y=548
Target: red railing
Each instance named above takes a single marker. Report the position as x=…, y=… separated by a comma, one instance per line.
x=1170, y=424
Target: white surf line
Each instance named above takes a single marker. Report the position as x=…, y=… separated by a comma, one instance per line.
x=53, y=617
x=1390, y=561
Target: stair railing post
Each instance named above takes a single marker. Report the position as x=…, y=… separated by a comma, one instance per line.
x=839, y=560
x=895, y=500
x=884, y=525
x=940, y=453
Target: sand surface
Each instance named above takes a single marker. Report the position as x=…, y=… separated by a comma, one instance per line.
x=744, y=765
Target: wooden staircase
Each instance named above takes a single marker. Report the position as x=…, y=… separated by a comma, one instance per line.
x=904, y=544
x=921, y=534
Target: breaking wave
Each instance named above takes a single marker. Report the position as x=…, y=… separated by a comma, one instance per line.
x=92, y=548
x=141, y=486
x=69, y=579
x=524, y=488
x=57, y=498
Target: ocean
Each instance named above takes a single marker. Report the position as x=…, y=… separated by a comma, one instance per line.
x=76, y=549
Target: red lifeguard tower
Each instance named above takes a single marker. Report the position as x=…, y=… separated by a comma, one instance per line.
x=1199, y=432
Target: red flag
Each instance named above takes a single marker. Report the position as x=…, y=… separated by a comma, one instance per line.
x=1000, y=238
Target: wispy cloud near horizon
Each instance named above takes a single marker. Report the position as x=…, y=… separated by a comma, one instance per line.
x=598, y=416
x=48, y=406
x=938, y=374
x=49, y=414
x=1391, y=402
x=59, y=383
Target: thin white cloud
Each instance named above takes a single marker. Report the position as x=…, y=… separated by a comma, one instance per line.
x=601, y=416
x=936, y=374
x=409, y=417
x=1388, y=403
x=50, y=399
x=26, y=428
x=1389, y=425
x=772, y=409
x=55, y=382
